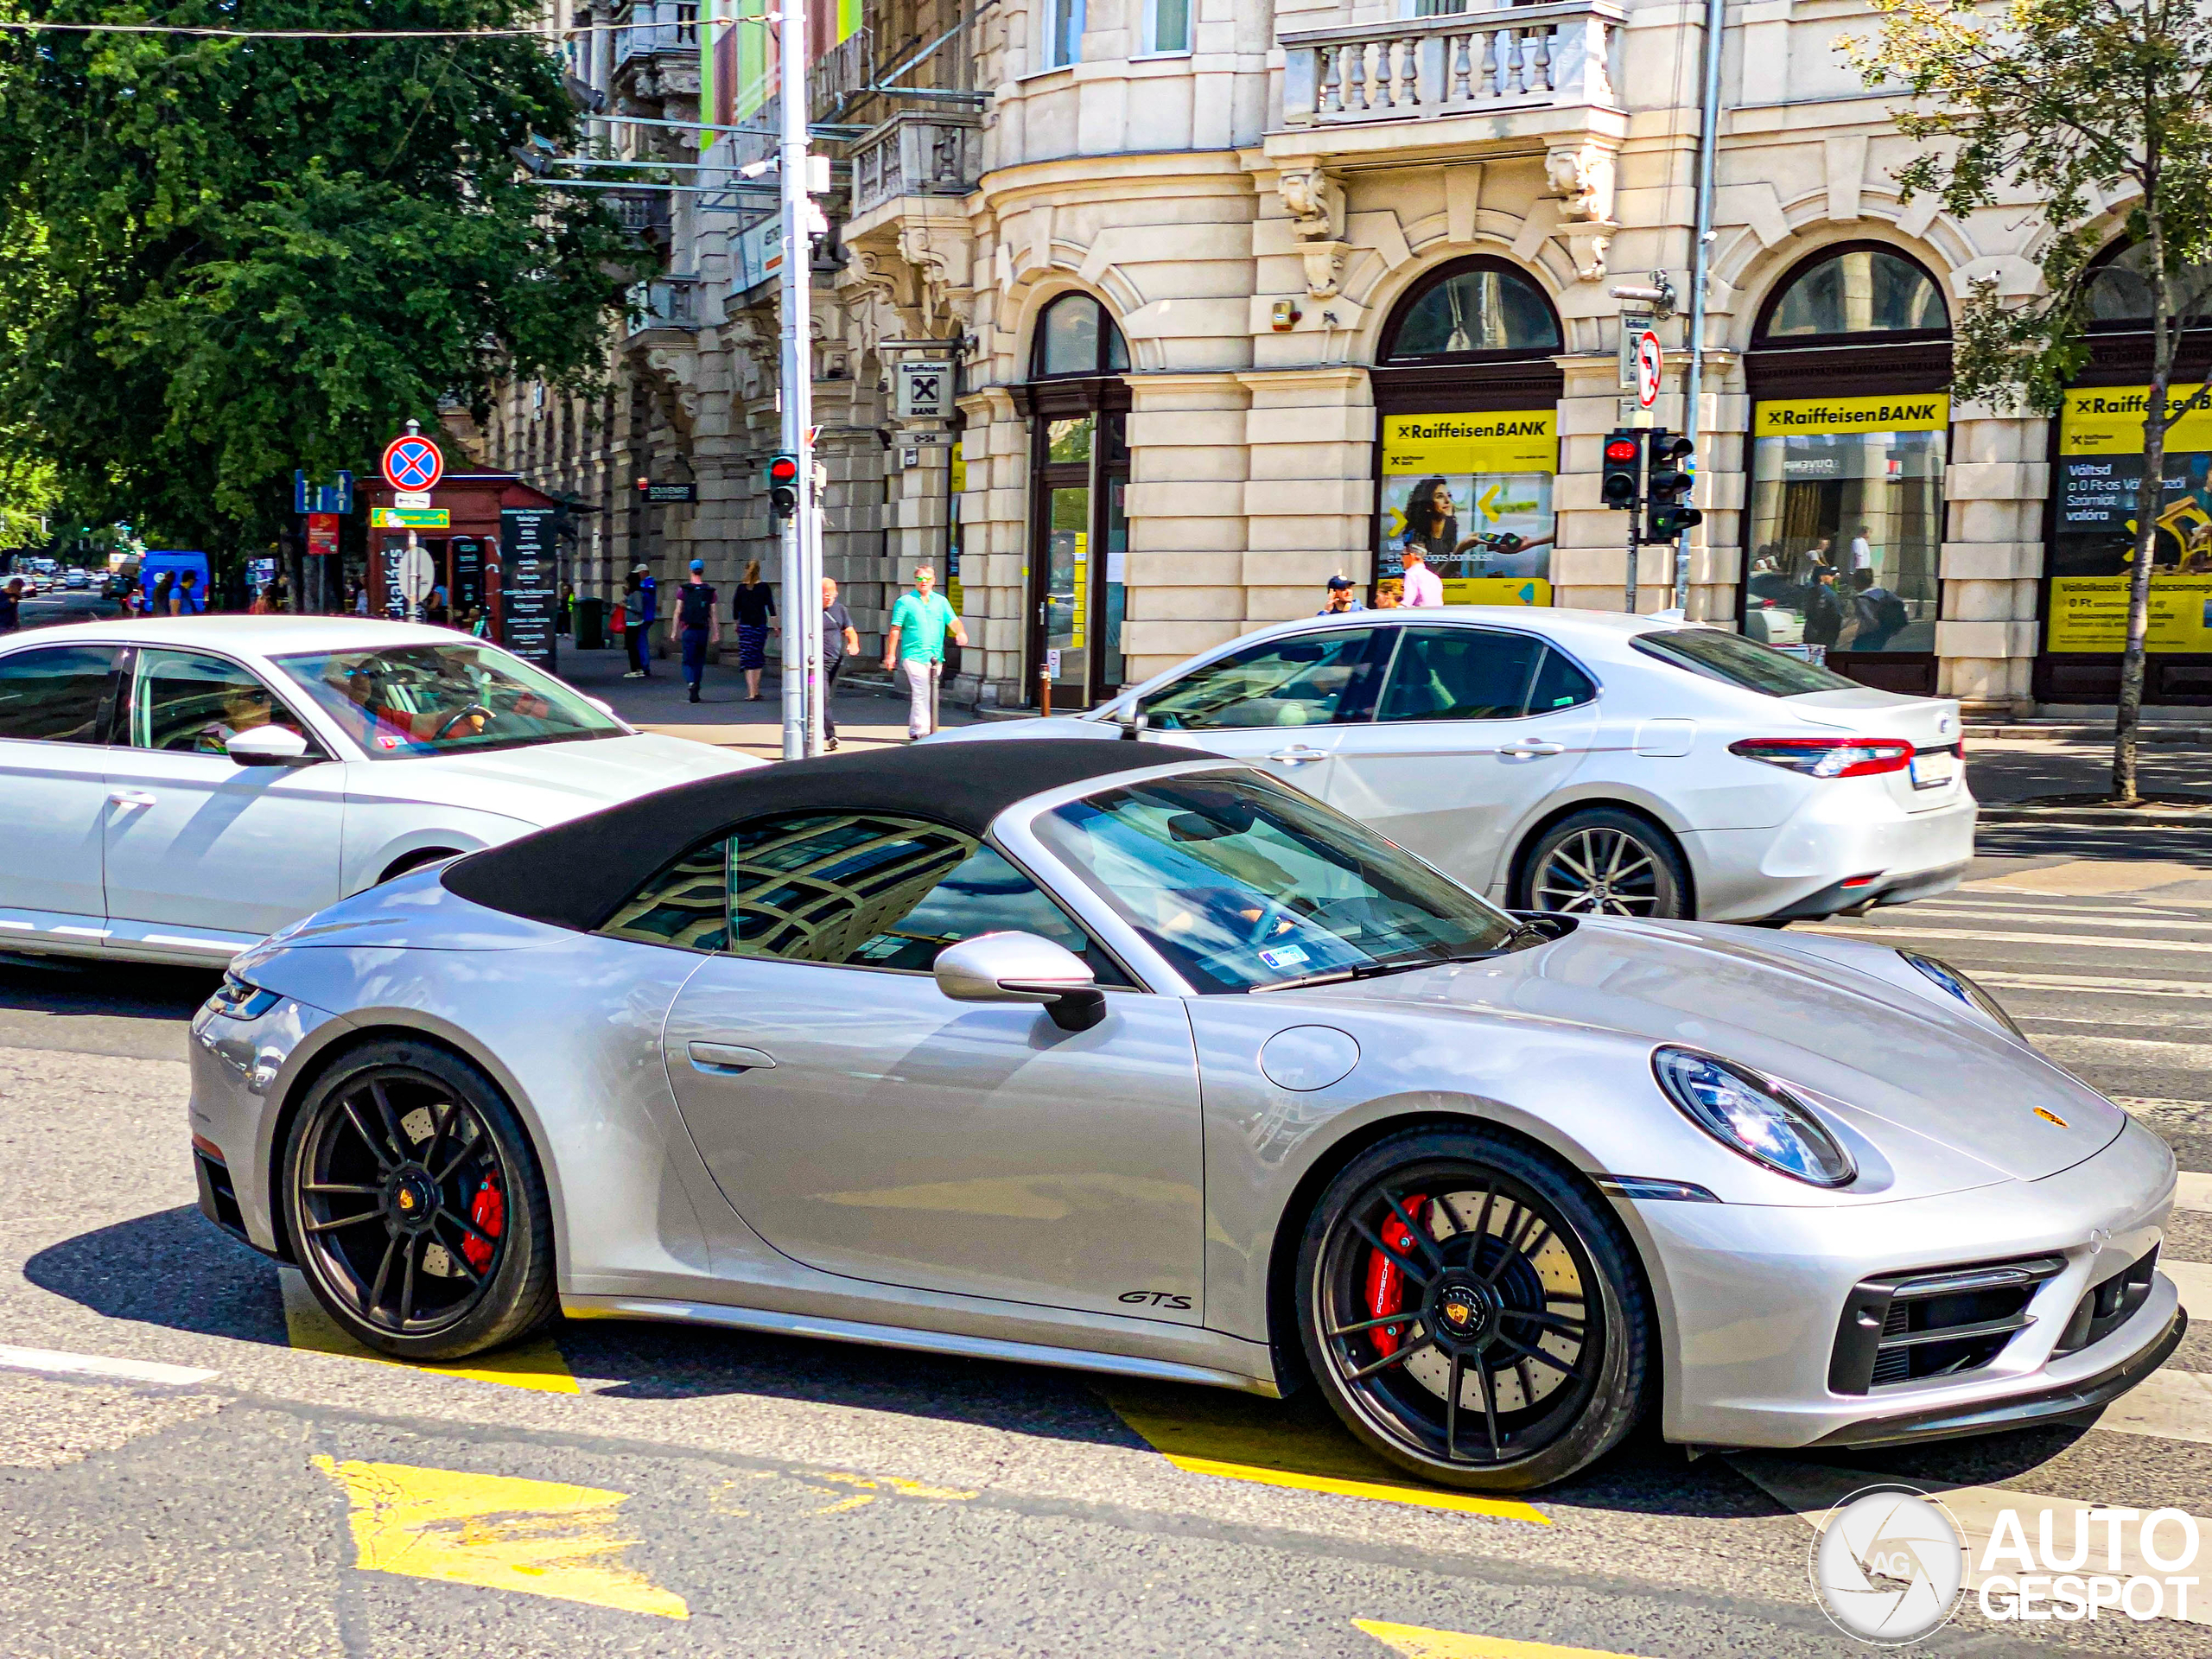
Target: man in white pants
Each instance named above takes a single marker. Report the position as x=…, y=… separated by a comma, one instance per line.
x=919, y=622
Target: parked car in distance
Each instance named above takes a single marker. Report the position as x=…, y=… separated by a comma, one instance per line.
x=1581, y=760
x=174, y=789
x=77, y=578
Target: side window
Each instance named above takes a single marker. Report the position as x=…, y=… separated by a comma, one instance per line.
x=857, y=889
x=184, y=700
x=1311, y=679
x=1460, y=674
x=54, y=694
x=1560, y=685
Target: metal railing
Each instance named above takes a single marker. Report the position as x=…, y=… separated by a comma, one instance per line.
x=1463, y=63
x=917, y=153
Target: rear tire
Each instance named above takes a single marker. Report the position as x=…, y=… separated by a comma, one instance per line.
x=1526, y=1342
x=415, y=1204
x=1605, y=861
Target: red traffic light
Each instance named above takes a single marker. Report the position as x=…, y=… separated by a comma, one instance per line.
x=783, y=469
x=1618, y=450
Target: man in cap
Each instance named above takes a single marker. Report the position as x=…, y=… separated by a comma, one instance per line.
x=698, y=628
x=1342, y=598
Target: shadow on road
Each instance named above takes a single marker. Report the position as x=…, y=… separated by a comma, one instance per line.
x=171, y=1268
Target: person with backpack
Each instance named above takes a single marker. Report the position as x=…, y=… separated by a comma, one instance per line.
x=698, y=629
x=1881, y=614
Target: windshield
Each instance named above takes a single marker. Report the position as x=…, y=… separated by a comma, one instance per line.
x=1735, y=660
x=1242, y=884
x=443, y=699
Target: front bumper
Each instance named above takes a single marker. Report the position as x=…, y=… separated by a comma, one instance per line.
x=1751, y=1297
x=240, y=1070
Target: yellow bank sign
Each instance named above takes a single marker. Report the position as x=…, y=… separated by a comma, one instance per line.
x=1503, y=441
x=2108, y=421
x=1782, y=417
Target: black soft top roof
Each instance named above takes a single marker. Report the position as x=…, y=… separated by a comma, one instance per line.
x=574, y=873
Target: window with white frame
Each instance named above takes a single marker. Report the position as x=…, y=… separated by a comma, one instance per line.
x=1167, y=26
x=1063, y=33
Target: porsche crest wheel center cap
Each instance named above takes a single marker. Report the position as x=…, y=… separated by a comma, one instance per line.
x=414, y=1200
x=1463, y=1310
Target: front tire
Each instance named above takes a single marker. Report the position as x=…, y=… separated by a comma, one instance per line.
x=1523, y=1343
x=415, y=1204
x=1604, y=862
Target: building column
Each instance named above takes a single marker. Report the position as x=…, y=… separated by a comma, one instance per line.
x=1994, y=490
x=994, y=523
x=1310, y=500
x=1185, y=583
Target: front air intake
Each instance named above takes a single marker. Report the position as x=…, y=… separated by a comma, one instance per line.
x=1909, y=1327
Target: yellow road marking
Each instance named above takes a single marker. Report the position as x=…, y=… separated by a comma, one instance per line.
x=1277, y=1443
x=1417, y=1643
x=537, y=1537
x=535, y=1364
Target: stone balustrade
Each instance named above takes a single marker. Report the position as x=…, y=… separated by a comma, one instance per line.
x=916, y=153
x=1465, y=63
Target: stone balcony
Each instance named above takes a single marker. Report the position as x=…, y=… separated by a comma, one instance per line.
x=917, y=153
x=1421, y=88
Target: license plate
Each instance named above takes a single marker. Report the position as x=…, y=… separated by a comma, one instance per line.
x=1933, y=770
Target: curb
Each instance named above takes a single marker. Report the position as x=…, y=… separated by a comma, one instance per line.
x=2147, y=734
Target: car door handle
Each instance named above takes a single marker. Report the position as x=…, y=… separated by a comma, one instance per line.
x=1521, y=748
x=727, y=1059
x=1298, y=754
x=131, y=797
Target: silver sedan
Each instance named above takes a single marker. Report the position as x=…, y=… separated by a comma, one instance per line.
x=1088, y=1055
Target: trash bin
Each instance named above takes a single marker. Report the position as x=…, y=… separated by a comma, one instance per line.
x=591, y=623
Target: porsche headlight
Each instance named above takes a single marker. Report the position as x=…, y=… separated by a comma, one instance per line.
x=1747, y=1114
x=236, y=999
x=1964, y=988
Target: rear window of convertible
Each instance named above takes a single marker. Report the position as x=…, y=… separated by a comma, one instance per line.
x=1734, y=660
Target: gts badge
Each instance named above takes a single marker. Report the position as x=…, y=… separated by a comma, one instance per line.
x=1157, y=1299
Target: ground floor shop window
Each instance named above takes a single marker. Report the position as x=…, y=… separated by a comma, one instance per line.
x=1473, y=494
x=1846, y=525
x=1078, y=554
x=2100, y=470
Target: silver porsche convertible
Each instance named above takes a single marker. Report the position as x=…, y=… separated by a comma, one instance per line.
x=1082, y=1054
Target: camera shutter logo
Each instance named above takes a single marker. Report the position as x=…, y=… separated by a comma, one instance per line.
x=1888, y=1565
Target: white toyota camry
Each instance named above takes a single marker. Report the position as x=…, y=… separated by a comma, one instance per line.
x=173, y=790
x=1581, y=760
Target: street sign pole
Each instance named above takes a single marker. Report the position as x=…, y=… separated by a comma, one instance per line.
x=797, y=378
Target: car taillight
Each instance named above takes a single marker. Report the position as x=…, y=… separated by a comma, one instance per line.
x=1827, y=757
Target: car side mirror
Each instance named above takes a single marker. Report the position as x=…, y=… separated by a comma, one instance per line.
x=1133, y=721
x=270, y=746
x=1022, y=968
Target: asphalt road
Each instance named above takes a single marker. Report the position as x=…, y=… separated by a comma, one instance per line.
x=629, y=1489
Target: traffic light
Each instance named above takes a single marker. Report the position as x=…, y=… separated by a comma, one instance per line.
x=1667, y=485
x=1624, y=469
x=783, y=485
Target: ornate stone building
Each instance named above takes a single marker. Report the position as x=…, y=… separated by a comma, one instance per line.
x=1238, y=299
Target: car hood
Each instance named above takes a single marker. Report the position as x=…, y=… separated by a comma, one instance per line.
x=546, y=784
x=1880, y=1056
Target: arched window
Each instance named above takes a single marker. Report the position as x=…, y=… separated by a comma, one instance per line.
x=2119, y=291
x=1856, y=290
x=1075, y=336
x=1472, y=308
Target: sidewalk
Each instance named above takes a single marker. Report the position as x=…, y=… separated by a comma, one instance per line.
x=866, y=718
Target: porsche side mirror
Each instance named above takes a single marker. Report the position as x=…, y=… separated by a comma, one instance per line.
x=1022, y=968
x=270, y=746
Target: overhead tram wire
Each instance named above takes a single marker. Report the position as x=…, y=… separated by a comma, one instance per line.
x=23, y=26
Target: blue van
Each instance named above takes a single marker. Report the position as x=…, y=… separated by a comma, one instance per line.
x=154, y=565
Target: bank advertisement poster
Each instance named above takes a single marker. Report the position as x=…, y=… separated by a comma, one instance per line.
x=1474, y=493
x=2100, y=470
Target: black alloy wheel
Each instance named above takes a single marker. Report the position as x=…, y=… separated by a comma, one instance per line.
x=1606, y=863
x=1473, y=1315
x=415, y=1206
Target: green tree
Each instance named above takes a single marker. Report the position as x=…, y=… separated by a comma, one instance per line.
x=2073, y=105
x=258, y=255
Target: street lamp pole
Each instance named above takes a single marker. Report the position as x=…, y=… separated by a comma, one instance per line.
x=800, y=602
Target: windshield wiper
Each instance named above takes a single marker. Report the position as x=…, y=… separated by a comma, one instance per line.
x=1388, y=965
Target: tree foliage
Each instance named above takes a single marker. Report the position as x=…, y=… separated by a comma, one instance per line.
x=2070, y=110
x=258, y=255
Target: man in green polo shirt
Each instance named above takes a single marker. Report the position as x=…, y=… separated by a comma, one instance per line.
x=916, y=644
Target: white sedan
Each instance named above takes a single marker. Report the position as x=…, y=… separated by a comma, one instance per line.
x=1582, y=761
x=174, y=790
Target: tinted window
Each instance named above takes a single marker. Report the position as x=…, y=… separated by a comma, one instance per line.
x=1735, y=660
x=1560, y=685
x=56, y=693
x=182, y=700
x=1309, y=679
x=1460, y=674
x=1482, y=310
x=853, y=888
x=443, y=699
x=1864, y=291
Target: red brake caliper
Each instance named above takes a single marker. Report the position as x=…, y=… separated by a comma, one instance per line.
x=1386, y=1280
x=488, y=1210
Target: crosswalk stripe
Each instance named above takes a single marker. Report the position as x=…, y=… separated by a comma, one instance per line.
x=498, y=1532
x=535, y=1364
x=2194, y=1280
x=1416, y=1641
x=2069, y=1050
x=2167, y=1404
x=1812, y=1490
x=2100, y=918
x=1883, y=935
x=123, y=1370
x=2194, y=1193
x=2011, y=982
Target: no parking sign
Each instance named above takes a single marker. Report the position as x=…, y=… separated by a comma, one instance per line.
x=412, y=463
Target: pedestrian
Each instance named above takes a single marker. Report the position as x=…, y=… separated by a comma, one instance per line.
x=1386, y=596
x=1823, y=611
x=1341, y=598
x=480, y=624
x=12, y=605
x=161, y=605
x=187, y=600
x=650, y=588
x=260, y=606
x=839, y=639
x=1424, y=588
x=1862, y=551
x=634, y=624
x=753, y=603
x=435, y=610
x=699, y=628
x=919, y=622
x=567, y=624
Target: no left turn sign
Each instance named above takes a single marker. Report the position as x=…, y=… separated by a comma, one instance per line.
x=1649, y=360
